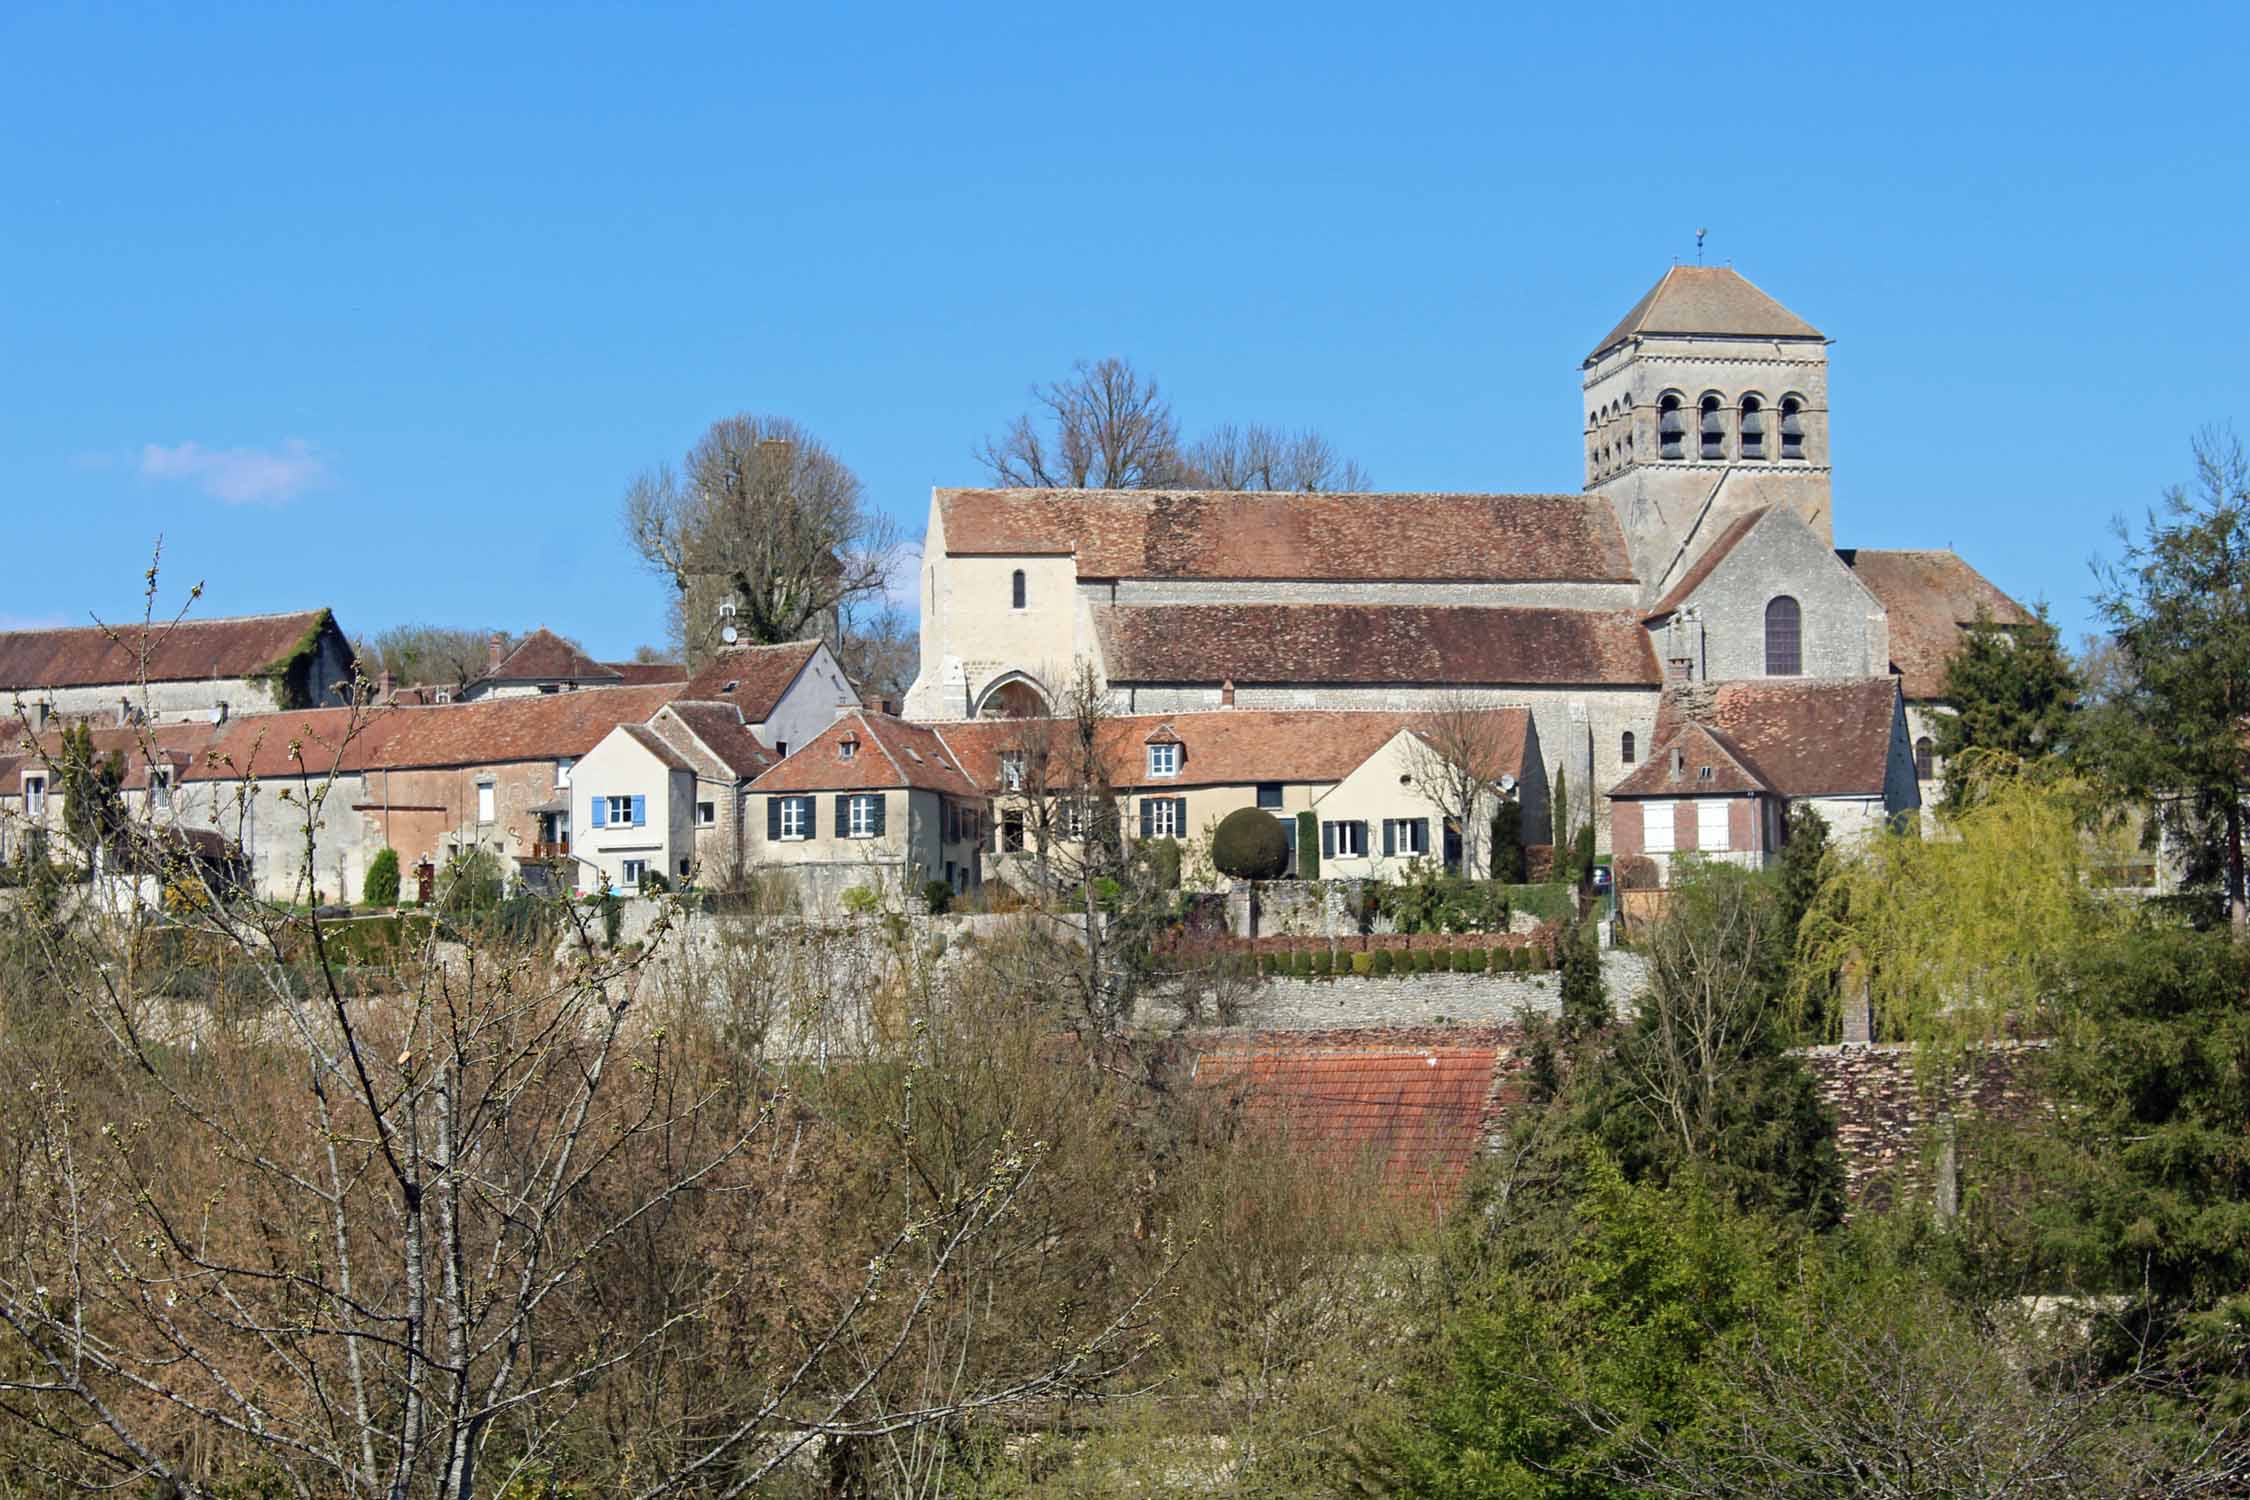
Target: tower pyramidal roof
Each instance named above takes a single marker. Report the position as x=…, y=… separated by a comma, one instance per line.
x=1716, y=301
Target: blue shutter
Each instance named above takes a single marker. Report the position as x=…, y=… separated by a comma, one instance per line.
x=1179, y=816
x=1363, y=835
x=1327, y=841
x=773, y=819
x=882, y=806
x=843, y=815
x=1422, y=834
x=812, y=816
x=1148, y=817
x=1390, y=837
x=601, y=812
x=640, y=810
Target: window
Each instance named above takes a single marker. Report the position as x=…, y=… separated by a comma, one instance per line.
x=1406, y=838
x=847, y=748
x=862, y=813
x=1073, y=815
x=160, y=785
x=636, y=873
x=1785, y=642
x=1753, y=427
x=1671, y=427
x=1269, y=794
x=562, y=774
x=1711, y=823
x=619, y=810
x=706, y=814
x=1163, y=817
x=484, y=802
x=1792, y=427
x=1656, y=828
x=34, y=796
x=781, y=749
x=793, y=817
x=1925, y=759
x=1016, y=590
x=1011, y=833
x=1011, y=770
x=1713, y=425
x=1164, y=759
x=1343, y=840
x=1625, y=749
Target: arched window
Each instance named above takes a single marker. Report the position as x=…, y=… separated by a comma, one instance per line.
x=1714, y=427
x=1792, y=427
x=1671, y=427
x=1785, y=639
x=1925, y=759
x=1753, y=427
x=1625, y=749
x=1018, y=587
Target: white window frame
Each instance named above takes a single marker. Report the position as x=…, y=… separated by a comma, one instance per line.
x=1164, y=759
x=860, y=814
x=1353, y=831
x=1714, y=825
x=562, y=772
x=614, y=817
x=847, y=749
x=706, y=814
x=1162, y=813
x=1011, y=770
x=1658, y=818
x=488, y=802
x=160, y=786
x=34, y=796
x=794, y=819
x=630, y=876
x=1407, y=838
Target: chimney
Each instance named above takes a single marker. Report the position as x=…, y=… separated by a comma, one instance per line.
x=1226, y=693
x=124, y=712
x=39, y=712
x=386, y=686
x=1679, y=762
x=494, y=649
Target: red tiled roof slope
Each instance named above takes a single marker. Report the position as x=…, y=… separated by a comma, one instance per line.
x=647, y=673
x=1803, y=736
x=1290, y=535
x=1700, y=749
x=889, y=753
x=752, y=678
x=544, y=656
x=1452, y=645
x=1928, y=596
x=186, y=651
x=717, y=729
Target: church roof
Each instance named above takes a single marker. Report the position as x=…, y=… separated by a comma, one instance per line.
x=1464, y=645
x=1715, y=301
x=1928, y=595
x=1287, y=535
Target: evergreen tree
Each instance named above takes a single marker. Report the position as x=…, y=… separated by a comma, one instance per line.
x=1585, y=1004
x=2014, y=694
x=1559, y=829
x=381, y=886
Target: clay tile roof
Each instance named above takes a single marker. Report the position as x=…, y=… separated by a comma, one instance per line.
x=1465, y=645
x=186, y=651
x=1261, y=534
x=1928, y=596
x=649, y=740
x=1701, y=750
x=1802, y=736
x=1713, y=555
x=717, y=740
x=646, y=673
x=879, y=762
x=1226, y=746
x=544, y=656
x=1716, y=301
x=1415, y=1116
x=752, y=678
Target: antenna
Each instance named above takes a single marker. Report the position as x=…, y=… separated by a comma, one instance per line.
x=1699, y=234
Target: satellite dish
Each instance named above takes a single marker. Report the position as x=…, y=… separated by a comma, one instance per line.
x=729, y=634
x=1507, y=782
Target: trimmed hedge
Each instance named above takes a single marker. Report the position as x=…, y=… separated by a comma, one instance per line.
x=1379, y=963
x=1363, y=965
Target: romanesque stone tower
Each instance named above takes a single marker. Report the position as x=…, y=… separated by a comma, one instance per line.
x=1710, y=399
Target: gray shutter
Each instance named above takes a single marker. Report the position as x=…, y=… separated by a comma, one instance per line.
x=1148, y=817
x=812, y=817
x=1179, y=816
x=1422, y=834
x=882, y=806
x=1363, y=835
x=773, y=820
x=843, y=814
x=1390, y=837
x=1327, y=841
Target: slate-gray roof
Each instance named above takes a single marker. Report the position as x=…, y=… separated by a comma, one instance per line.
x=1714, y=301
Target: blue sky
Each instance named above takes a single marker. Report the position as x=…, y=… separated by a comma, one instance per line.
x=382, y=309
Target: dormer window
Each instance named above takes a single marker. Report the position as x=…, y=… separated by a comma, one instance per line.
x=1164, y=758
x=160, y=786
x=1792, y=428
x=1011, y=770
x=34, y=796
x=847, y=748
x=1753, y=427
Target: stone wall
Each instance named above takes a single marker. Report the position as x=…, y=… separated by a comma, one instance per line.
x=1885, y=1108
x=1441, y=999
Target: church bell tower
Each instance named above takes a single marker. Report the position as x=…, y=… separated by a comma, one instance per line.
x=1708, y=400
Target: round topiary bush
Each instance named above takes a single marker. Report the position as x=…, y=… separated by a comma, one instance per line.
x=1250, y=845
x=1381, y=963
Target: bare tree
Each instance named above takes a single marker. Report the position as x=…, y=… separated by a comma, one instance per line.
x=879, y=648
x=1459, y=757
x=444, y=655
x=1105, y=427
x=1258, y=457
x=761, y=518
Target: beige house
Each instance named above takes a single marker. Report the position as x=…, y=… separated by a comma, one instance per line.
x=666, y=798
x=871, y=803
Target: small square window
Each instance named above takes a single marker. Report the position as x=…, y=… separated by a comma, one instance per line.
x=635, y=872
x=1350, y=839
x=847, y=748
x=1164, y=760
x=620, y=811
x=1269, y=794
x=1011, y=770
x=706, y=814
x=562, y=773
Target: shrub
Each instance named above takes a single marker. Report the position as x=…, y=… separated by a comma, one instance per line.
x=1633, y=872
x=1250, y=845
x=937, y=895
x=1300, y=964
x=1363, y=965
x=381, y=886
x=1323, y=963
x=1496, y=961
x=1269, y=964
x=861, y=900
x=471, y=885
x=1467, y=960
x=1380, y=963
x=1507, y=843
x=1163, y=857
x=1308, y=846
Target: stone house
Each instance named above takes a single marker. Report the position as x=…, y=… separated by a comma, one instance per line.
x=1701, y=548
x=1732, y=759
x=871, y=802
x=542, y=662
x=666, y=798
x=787, y=694
x=186, y=670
